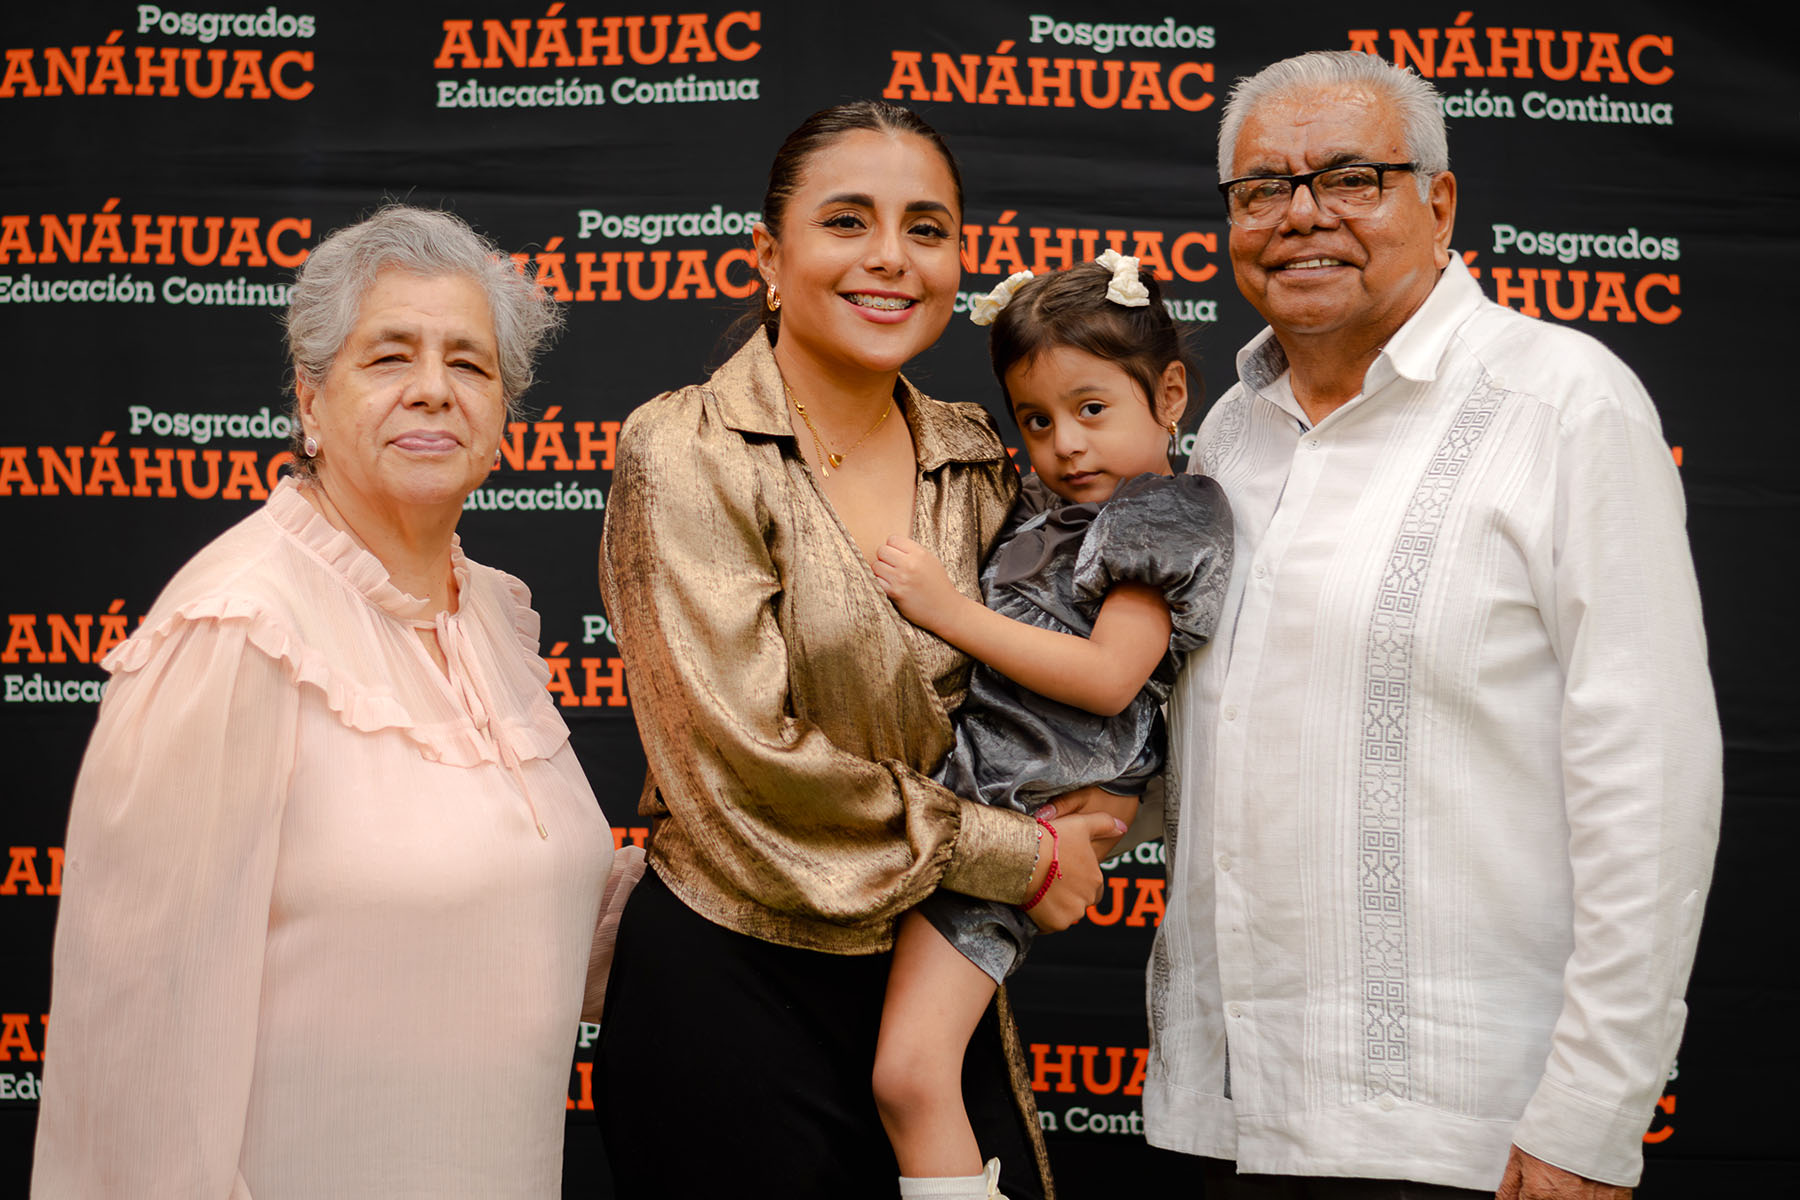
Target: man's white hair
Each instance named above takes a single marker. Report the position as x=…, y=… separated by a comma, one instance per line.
x=1413, y=98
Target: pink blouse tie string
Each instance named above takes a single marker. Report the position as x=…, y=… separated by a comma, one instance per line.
x=459, y=655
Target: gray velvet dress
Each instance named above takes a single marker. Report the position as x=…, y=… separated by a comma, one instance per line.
x=1052, y=568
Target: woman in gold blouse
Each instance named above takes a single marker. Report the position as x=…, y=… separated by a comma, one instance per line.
x=790, y=716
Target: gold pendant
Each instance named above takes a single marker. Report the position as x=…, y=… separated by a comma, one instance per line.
x=836, y=460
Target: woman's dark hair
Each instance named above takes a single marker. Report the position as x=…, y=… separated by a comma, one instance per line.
x=1070, y=308
x=820, y=131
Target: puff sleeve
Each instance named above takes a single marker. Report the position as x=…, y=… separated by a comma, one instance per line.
x=171, y=853
x=1172, y=533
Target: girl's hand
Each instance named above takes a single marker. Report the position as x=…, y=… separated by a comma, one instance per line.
x=916, y=582
x=1078, y=865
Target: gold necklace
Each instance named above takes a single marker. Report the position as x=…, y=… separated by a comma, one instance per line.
x=832, y=460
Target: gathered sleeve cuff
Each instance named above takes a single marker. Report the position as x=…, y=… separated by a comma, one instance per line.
x=1584, y=1135
x=995, y=854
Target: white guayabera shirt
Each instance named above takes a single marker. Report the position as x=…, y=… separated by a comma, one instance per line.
x=1446, y=785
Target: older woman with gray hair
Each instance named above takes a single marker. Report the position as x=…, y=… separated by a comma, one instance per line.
x=332, y=869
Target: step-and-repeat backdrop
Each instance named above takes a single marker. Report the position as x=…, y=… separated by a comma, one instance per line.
x=1626, y=168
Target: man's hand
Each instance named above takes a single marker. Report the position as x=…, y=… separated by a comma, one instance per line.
x=1528, y=1178
x=916, y=582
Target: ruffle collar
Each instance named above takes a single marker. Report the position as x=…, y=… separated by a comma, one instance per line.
x=289, y=508
x=519, y=720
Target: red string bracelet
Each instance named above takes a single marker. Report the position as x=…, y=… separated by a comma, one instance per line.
x=1050, y=876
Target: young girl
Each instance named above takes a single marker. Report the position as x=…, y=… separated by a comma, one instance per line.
x=1108, y=572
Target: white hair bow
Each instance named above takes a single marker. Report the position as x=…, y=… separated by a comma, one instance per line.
x=983, y=309
x=1125, y=288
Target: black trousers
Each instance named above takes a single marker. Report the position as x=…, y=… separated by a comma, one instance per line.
x=733, y=1067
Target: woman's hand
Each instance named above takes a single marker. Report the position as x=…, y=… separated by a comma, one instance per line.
x=1091, y=800
x=917, y=583
x=1075, y=854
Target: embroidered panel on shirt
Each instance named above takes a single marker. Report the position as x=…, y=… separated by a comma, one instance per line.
x=1225, y=435
x=1387, y=700
x=1159, y=994
x=1160, y=970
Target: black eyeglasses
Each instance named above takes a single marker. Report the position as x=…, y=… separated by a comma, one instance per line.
x=1348, y=190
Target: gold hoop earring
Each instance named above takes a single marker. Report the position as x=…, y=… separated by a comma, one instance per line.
x=773, y=299
x=1174, y=440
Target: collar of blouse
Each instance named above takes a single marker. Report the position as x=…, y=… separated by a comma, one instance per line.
x=750, y=399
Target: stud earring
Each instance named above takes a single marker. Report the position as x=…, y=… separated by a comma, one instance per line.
x=310, y=445
x=773, y=299
x=496, y=458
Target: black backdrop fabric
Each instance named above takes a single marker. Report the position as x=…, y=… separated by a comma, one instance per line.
x=166, y=168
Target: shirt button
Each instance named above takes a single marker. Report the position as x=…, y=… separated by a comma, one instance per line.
x=1230, y=712
x=1236, y=1011
x=1261, y=571
x=1224, y=862
x=1312, y=443
x=1387, y=1104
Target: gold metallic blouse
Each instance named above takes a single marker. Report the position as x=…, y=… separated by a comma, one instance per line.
x=788, y=712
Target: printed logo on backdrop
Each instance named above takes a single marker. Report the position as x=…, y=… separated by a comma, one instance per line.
x=693, y=255
x=1550, y=73
x=1184, y=255
x=1661, y=1128
x=1088, y=1089
x=1098, y=1088
x=187, y=469
x=593, y=677
x=664, y=256
x=580, y=61
x=240, y=56
x=697, y=255
x=64, y=254
x=1132, y=901
x=219, y=261
x=62, y=643
x=1065, y=63
x=1587, y=79
x=33, y=871
x=21, y=1049
x=1621, y=277
x=533, y=448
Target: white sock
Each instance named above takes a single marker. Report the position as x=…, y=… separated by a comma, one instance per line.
x=945, y=1187
x=984, y=1186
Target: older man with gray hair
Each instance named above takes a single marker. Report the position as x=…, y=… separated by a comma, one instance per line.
x=1444, y=791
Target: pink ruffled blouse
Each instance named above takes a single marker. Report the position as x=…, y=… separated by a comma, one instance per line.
x=326, y=910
